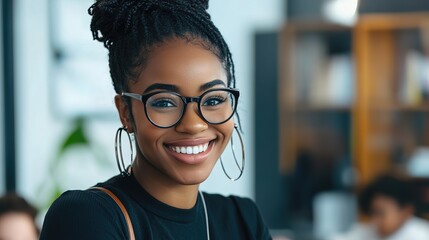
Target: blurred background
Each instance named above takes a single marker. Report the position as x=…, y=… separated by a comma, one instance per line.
x=334, y=94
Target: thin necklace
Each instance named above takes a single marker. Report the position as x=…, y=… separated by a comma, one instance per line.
x=206, y=215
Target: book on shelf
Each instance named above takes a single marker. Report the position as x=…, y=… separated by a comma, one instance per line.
x=310, y=54
x=340, y=80
x=322, y=79
x=414, y=89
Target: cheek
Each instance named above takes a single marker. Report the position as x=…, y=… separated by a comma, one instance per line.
x=146, y=138
x=226, y=130
x=146, y=133
x=389, y=222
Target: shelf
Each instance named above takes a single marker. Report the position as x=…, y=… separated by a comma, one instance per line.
x=318, y=108
x=402, y=108
x=389, y=22
x=311, y=26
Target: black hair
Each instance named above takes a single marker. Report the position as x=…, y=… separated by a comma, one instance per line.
x=12, y=203
x=130, y=28
x=398, y=189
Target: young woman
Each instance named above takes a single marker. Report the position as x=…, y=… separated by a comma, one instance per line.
x=174, y=77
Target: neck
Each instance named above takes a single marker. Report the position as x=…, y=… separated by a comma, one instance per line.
x=163, y=188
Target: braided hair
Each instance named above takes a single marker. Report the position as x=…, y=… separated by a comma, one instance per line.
x=130, y=28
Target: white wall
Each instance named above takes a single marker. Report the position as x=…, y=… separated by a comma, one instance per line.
x=39, y=131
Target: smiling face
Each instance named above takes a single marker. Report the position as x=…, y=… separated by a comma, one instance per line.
x=187, y=152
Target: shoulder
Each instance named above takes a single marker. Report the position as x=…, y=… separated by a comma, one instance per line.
x=418, y=227
x=414, y=228
x=420, y=222
x=241, y=208
x=88, y=214
x=78, y=202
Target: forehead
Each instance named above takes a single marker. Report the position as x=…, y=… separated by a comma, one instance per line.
x=382, y=201
x=182, y=63
x=16, y=223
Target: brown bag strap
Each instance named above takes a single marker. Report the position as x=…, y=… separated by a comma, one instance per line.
x=123, y=209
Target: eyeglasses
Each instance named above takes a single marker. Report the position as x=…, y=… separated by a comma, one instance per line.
x=165, y=109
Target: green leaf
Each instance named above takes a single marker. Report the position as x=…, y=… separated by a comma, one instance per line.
x=76, y=137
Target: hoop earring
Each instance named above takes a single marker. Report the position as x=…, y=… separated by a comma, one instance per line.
x=240, y=168
x=118, y=152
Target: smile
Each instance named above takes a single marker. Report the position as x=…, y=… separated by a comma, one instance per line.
x=190, y=149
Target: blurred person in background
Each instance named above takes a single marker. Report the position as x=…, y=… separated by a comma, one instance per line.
x=390, y=204
x=17, y=219
x=174, y=78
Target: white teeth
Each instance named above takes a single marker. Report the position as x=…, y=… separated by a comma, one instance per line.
x=195, y=150
x=190, y=149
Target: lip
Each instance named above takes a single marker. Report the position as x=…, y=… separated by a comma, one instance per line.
x=190, y=159
x=189, y=142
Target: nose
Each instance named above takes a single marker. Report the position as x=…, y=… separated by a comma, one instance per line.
x=191, y=122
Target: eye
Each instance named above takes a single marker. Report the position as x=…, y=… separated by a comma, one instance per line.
x=214, y=100
x=163, y=103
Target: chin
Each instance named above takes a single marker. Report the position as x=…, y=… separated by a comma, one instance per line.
x=192, y=177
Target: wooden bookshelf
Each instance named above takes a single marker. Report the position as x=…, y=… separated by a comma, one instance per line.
x=377, y=47
x=383, y=124
x=293, y=106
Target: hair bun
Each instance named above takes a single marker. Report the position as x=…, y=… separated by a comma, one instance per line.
x=112, y=19
x=202, y=3
x=107, y=22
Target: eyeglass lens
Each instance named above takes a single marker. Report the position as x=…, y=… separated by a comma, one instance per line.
x=166, y=109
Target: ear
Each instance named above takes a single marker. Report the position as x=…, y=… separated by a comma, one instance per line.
x=124, y=112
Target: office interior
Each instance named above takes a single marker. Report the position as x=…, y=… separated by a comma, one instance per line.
x=334, y=94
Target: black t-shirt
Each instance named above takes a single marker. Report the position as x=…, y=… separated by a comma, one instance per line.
x=92, y=215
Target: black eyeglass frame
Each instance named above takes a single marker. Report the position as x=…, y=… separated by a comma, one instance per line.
x=143, y=98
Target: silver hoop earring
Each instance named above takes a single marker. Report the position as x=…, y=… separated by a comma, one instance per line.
x=118, y=152
x=240, y=168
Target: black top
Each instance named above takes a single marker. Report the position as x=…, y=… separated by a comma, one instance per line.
x=92, y=214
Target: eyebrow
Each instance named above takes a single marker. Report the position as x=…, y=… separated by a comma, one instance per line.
x=162, y=86
x=173, y=88
x=211, y=84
